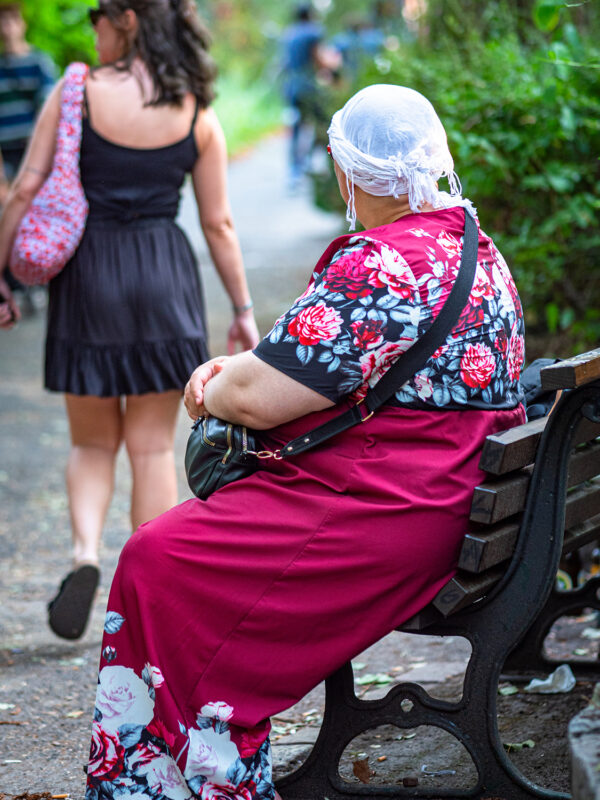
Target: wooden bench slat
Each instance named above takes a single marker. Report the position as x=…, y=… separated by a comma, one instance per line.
x=576, y=537
x=573, y=372
x=514, y=449
x=582, y=534
x=463, y=590
x=582, y=504
x=482, y=549
x=423, y=619
x=494, y=501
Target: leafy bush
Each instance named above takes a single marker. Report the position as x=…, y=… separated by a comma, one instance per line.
x=523, y=124
x=61, y=29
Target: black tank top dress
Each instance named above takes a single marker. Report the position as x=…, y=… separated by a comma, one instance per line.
x=126, y=314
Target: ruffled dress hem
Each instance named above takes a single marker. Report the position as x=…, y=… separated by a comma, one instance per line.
x=111, y=370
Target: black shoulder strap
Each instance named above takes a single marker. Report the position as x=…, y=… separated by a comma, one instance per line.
x=410, y=362
x=86, y=106
x=195, y=117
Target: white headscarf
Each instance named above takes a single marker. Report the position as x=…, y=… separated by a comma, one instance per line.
x=388, y=140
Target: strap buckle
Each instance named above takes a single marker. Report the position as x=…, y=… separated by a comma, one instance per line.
x=369, y=415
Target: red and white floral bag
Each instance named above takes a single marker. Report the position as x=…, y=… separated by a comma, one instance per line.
x=52, y=228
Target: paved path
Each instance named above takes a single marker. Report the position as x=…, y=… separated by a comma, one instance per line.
x=47, y=685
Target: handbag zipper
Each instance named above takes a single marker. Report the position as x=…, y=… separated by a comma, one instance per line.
x=229, y=446
x=204, y=436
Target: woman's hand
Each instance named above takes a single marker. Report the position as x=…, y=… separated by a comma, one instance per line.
x=242, y=331
x=193, y=396
x=9, y=310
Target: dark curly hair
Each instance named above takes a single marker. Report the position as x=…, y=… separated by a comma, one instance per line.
x=173, y=44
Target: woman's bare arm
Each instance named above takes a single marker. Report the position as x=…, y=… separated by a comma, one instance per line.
x=209, y=177
x=34, y=170
x=246, y=390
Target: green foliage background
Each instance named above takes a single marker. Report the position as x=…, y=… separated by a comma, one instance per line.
x=61, y=29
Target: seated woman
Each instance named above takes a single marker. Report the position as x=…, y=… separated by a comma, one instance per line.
x=225, y=612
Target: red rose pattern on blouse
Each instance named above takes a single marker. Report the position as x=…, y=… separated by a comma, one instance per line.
x=368, y=306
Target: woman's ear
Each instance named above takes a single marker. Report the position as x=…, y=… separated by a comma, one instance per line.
x=129, y=24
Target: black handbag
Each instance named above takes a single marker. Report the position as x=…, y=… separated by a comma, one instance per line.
x=217, y=453
x=220, y=452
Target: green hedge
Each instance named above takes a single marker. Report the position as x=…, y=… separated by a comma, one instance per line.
x=61, y=29
x=523, y=124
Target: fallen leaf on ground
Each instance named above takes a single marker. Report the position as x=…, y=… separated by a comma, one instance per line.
x=37, y=796
x=380, y=678
x=518, y=745
x=505, y=691
x=74, y=714
x=362, y=770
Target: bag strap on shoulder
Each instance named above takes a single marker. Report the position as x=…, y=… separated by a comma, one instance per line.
x=69, y=127
x=410, y=362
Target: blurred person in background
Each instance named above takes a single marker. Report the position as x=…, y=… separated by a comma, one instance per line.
x=305, y=61
x=126, y=321
x=26, y=77
x=360, y=39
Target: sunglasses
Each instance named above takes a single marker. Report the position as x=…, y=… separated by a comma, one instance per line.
x=96, y=14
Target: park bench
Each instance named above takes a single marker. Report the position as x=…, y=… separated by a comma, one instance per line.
x=539, y=501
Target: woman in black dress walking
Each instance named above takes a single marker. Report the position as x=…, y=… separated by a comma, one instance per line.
x=125, y=319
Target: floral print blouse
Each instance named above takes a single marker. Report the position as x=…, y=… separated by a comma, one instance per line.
x=379, y=291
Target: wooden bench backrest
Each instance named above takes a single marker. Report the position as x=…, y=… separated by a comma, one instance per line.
x=507, y=458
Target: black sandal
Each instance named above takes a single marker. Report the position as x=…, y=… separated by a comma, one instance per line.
x=69, y=611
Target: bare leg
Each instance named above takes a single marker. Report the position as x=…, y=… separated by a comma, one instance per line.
x=96, y=425
x=149, y=433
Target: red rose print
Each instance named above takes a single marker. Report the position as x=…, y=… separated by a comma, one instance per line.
x=396, y=285
x=367, y=333
x=516, y=357
x=473, y=316
x=157, y=728
x=253, y=738
x=482, y=288
x=388, y=268
x=375, y=362
x=349, y=275
x=477, y=366
x=106, y=754
x=449, y=244
x=315, y=324
x=501, y=343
